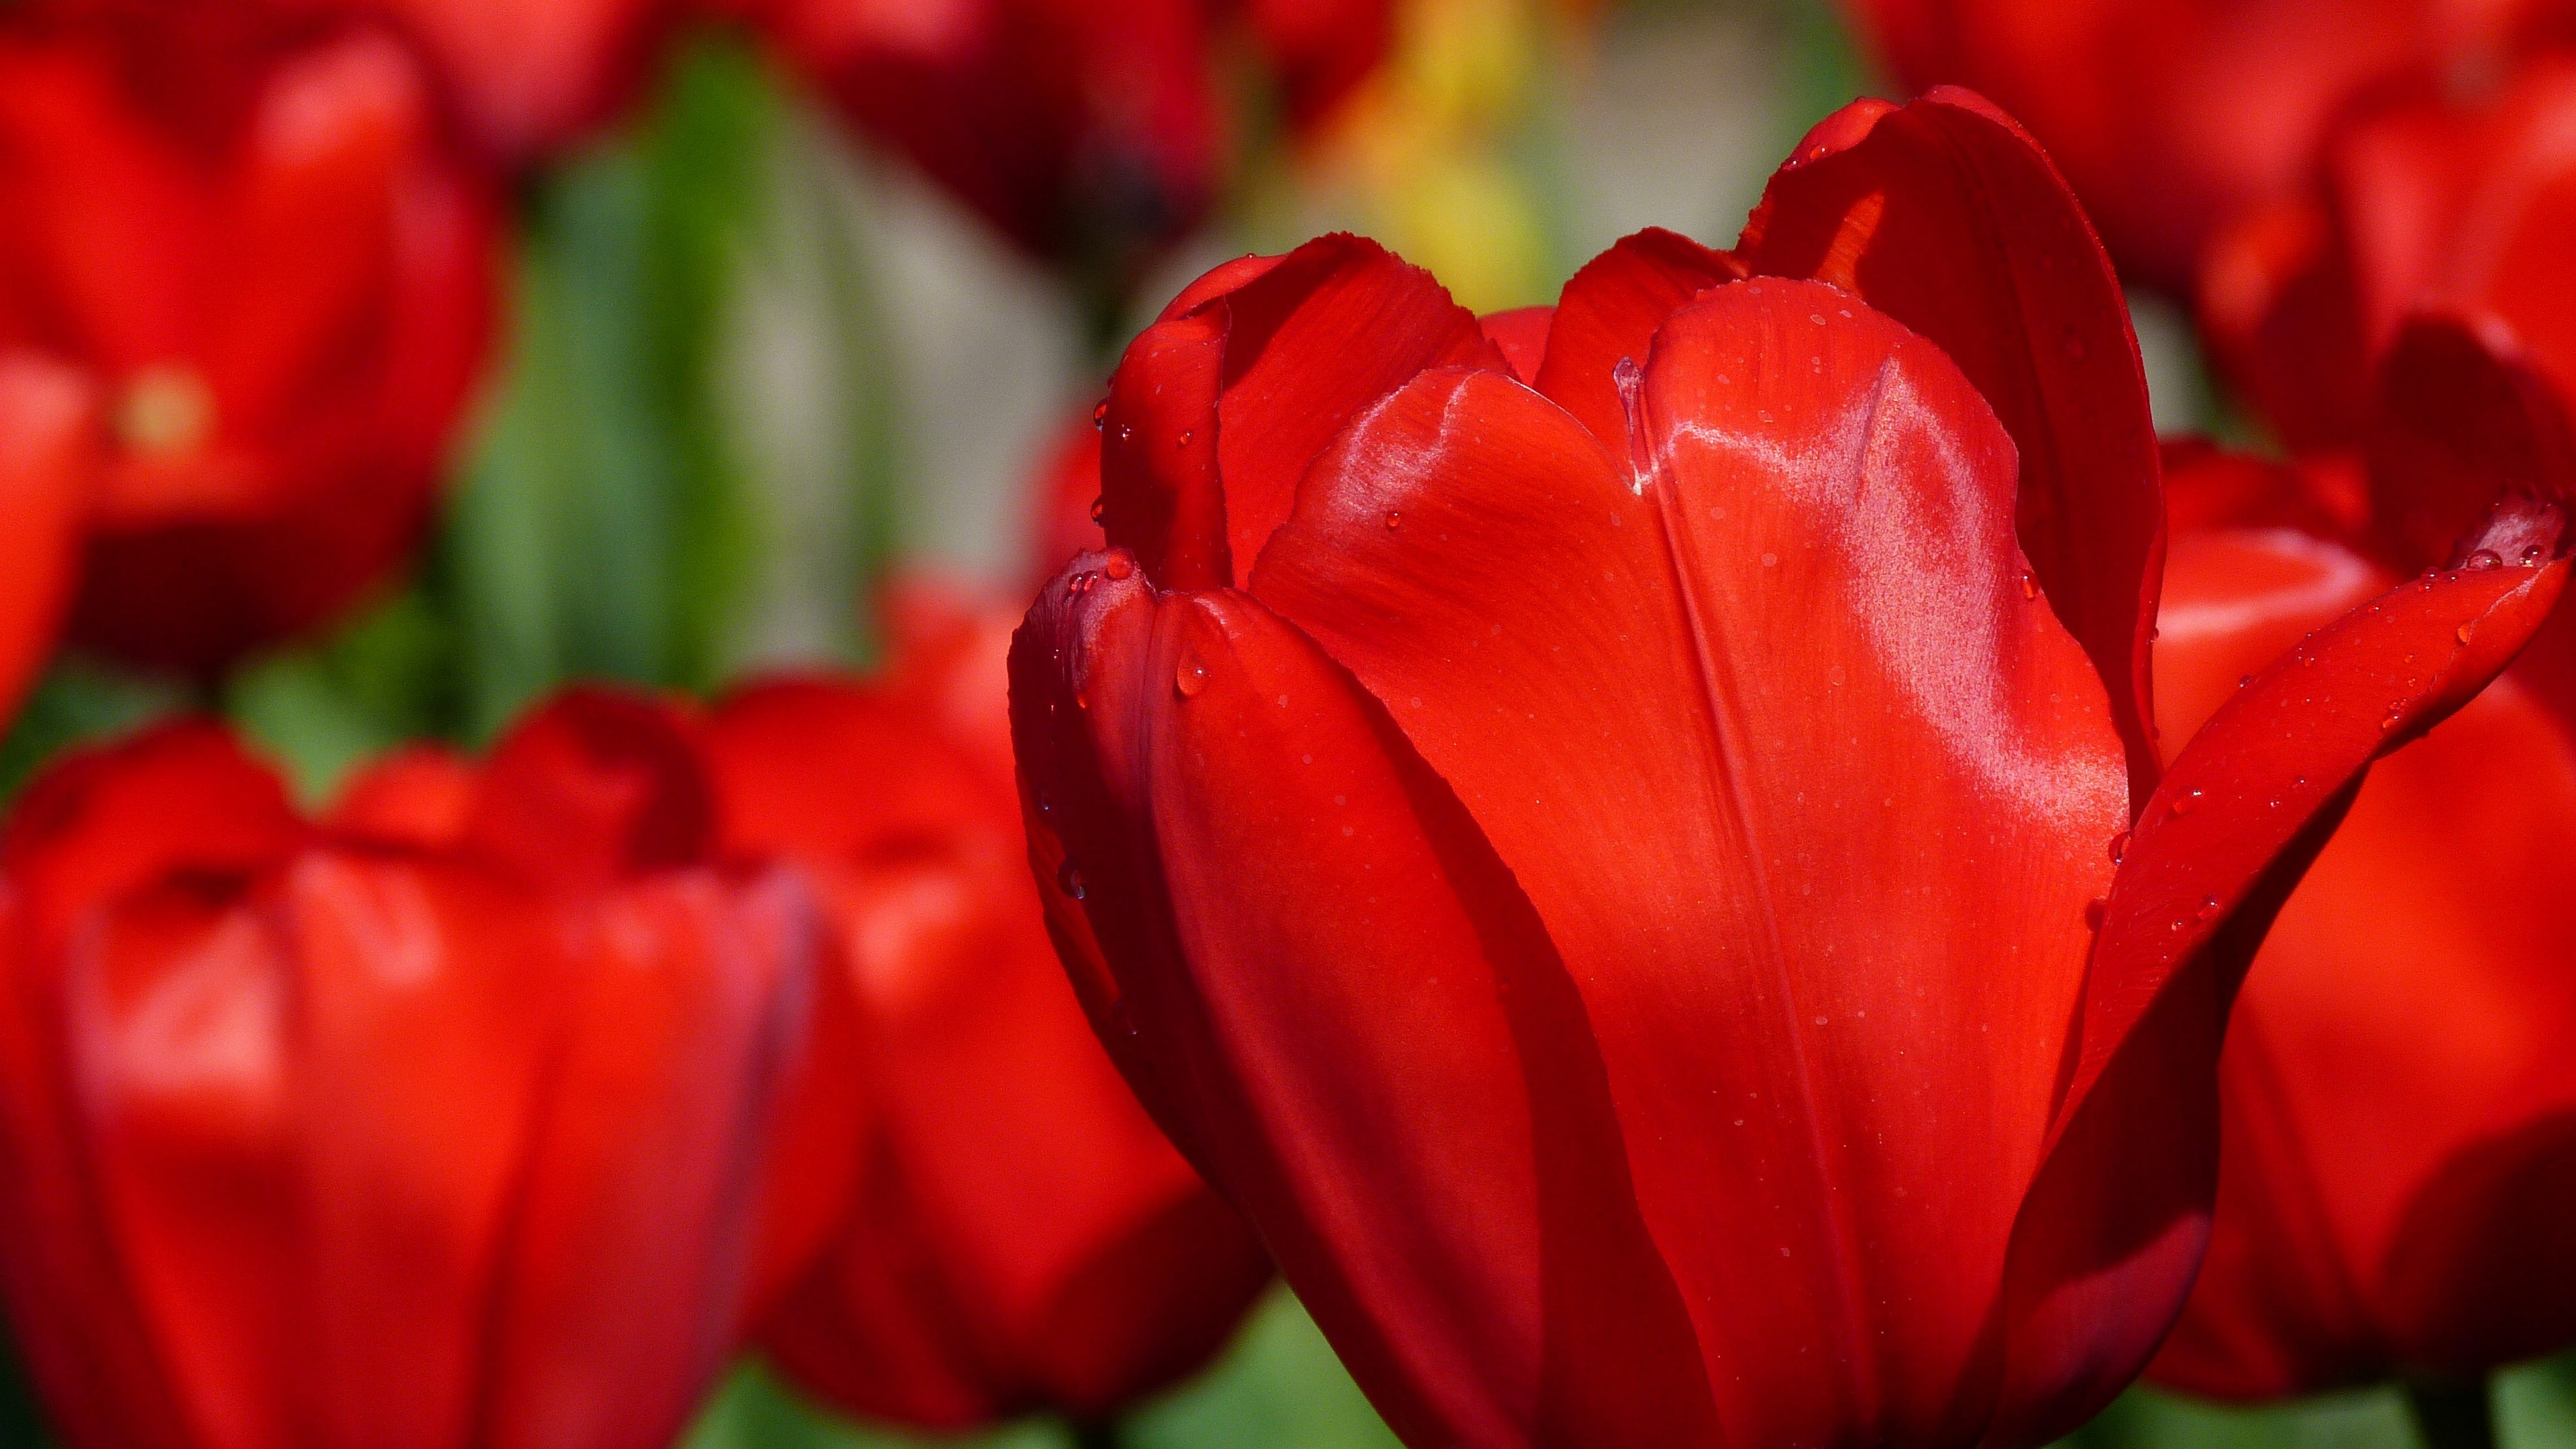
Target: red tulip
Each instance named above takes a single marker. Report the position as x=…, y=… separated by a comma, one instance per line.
x=1084, y=132
x=2399, y=1080
x=525, y=78
x=2449, y=205
x=1022, y=1237
x=441, y=1122
x=255, y=255
x=2168, y=116
x=1653, y=887
x=1090, y=134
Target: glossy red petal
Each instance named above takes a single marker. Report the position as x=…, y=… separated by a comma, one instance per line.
x=1399, y=1091
x=1609, y=311
x=1215, y=413
x=2403, y=1042
x=1710, y=720
x=1946, y=216
x=49, y=447
x=2236, y=821
x=1520, y=335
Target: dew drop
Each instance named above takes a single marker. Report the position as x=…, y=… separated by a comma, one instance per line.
x=1099, y=506
x=2208, y=909
x=2243, y=680
x=1045, y=805
x=1394, y=518
x=1118, y=567
x=2480, y=560
x=1191, y=678
x=2461, y=633
x=1100, y=413
x=2531, y=553
x=1186, y=436
x=1081, y=700
x=2029, y=586
x=2119, y=846
x=2184, y=802
x=1071, y=880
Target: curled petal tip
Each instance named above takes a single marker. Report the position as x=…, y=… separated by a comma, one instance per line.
x=2520, y=528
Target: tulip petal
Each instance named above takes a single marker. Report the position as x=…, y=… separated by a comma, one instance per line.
x=1331, y=992
x=49, y=442
x=1710, y=720
x=423, y=1018
x=1249, y=385
x=1520, y=335
x=2245, y=808
x=1945, y=215
x=693, y=990
x=2403, y=1036
x=1609, y=311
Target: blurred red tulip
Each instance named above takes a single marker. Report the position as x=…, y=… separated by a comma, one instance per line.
x=2448, y=205
x=1087, y=133
x=1022, y=1237
x=1655, y=890
x=442, y=1122
x=2399, y=1081
x=1064, y=501
x=255, y=254
x=49, y=439
x=525, y=78
x=2168, y=116
x=1090, y=134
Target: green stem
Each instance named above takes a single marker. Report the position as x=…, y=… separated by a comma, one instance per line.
x=1096, y=1434
x=2454, y=1415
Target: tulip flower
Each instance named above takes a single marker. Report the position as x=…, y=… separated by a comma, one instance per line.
x=1651, y=883
x=249, y=257
x=1022, y=1236
x=1087, y=134
x=2451, y=205
x=2399, y=1080
x=2169, y=117
x=525, y=78
x=442, y=1121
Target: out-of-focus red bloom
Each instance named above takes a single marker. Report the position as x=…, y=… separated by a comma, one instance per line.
x=2399, y=1080
x=1064, y=502
x=2168, y=116
x=2456, y=206
x=48, y=445
x=278, y=287
x=1088, y=133
x=525, y=78
x=443, y=1121
x=1653, y=886
x=1023, y=1237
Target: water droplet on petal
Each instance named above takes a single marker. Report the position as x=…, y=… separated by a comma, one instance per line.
x=1118, y=567
x=1100, y=413
x=1191, y=678
x=2208, y=909
x=2243, y=680
x=1099, y=506
x=2480, y=560
x=2184, y=802
x=1394, y=518
x=2461, y=633
x=2029, y=586
x=2119, y=846
x=1186, y=436
x=1071, y=880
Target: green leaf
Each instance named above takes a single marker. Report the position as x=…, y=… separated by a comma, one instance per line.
x=755, y=1411
x=80, y=700
x=1278, y=1387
